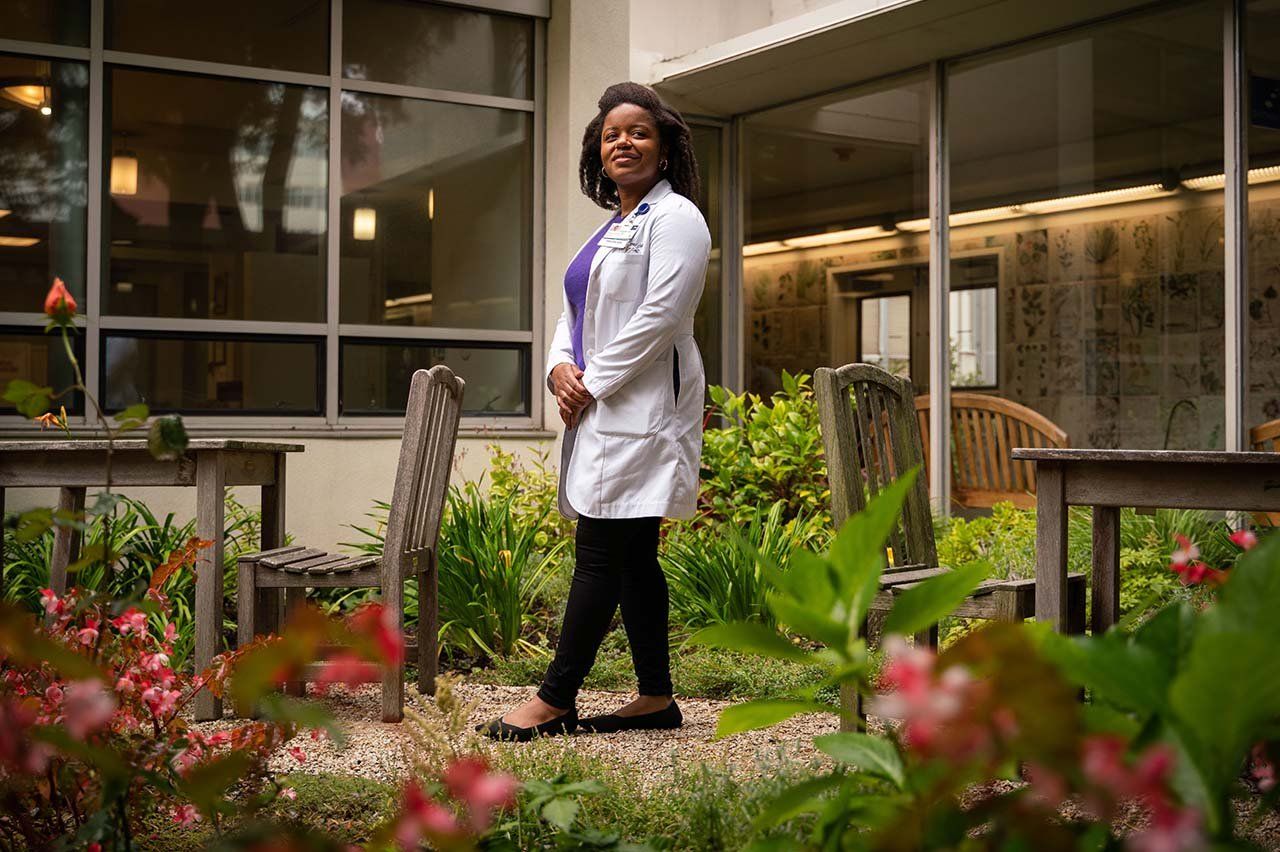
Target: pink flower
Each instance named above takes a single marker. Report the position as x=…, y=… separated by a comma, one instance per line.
x=52, y=605
x=170, y=631
x=133, y=620
x=53, y=695
x=59, y=303
x=186, y=815
x=420, y=815
x=93, y=847
x=1262, y=769
x=89, y=633
x=319, y=734
x=346, y=668
x=1244, y=539
x=469, y=781
x=125, y=686
x=289, y=793
x=374, y=621
x=1185, y=554
x=86, y=707
x=161, y=701
x=1171, y=830
x=155, y=663
x=930, y=704
x=298, y=754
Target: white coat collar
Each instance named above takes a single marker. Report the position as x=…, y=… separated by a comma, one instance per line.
x=656, y=193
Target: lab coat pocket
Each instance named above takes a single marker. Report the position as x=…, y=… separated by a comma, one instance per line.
x=623, y=276
x=639, y=408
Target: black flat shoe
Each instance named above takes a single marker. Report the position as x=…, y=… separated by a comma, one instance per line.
x=497, y=729
x=666, y=718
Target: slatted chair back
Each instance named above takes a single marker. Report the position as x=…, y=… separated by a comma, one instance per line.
x=1266, y=439
x=871, y=438
x=984, y=429
x=422, y=475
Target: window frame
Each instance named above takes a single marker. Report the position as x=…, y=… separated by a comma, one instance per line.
x=331, y=421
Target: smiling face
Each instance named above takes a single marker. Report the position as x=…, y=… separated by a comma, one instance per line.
x=631, y=147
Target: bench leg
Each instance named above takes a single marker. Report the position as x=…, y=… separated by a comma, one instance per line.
x=927, y=638
x=293, y=599
x=428, y=628
x=393, y=675
x=66, y=541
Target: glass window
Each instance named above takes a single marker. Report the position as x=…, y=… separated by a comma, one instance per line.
x=51, y=21
x=973, y=338
x=437, y=203
x=439, y=47
x=44, y=109
x=836, y=196
x=376, y=374
x=287, y=34
x=40, y=358
x=885, y=333
x=707, y=323
x=1082, y=161
x=213, y=375
x=216, y=204
x=1262, y=361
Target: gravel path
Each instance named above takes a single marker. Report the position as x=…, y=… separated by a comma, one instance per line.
x=377, y=750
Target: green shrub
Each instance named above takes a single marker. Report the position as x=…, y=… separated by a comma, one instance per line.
x=718, y=573
x=491, y=573
x=144, y=542
x=534, y=491
x=766, y=451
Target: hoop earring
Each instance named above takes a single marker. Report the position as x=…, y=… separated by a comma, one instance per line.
x=603, y=173
x=662, y=167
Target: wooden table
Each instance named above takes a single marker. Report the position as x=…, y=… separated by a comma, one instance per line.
x=1109, y=479
x=210, y=466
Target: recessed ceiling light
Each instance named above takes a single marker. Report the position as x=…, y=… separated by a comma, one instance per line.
x=18, y=242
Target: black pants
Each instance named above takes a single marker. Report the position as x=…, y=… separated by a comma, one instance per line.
x=617, y=562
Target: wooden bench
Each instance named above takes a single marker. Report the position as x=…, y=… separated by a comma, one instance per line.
x=871, y=438
x=984, y=429
x=1266, y=439
x=409, y=550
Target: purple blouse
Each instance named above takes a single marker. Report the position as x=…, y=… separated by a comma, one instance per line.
x=575, y=289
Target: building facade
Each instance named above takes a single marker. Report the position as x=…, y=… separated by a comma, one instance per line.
x=273, y=211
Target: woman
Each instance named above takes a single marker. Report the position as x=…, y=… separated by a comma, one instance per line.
x=628, y=380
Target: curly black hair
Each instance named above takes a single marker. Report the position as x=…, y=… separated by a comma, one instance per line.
x=682, y=166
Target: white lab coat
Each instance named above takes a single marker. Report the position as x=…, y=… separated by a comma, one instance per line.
x=636, y=450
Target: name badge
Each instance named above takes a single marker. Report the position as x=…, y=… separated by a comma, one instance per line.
x=620, y=234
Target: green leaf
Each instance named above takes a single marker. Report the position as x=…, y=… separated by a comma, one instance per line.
x=870, y=754
x=104, y=504
x=858, y=551
x=804, y=797
x=1117, y=670
x=751, y=638
x=167, y=438
x=753, y=715
x=206, y=785
x=280, y=708
x=134, y=414
x=809, y=621
x=561, y=812
x=1224, y=700
x=29, y=398
x=927, y=603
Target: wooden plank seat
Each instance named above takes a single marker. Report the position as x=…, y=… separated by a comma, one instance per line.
x=1266, y=439
x=413, y=528
x=871, y=436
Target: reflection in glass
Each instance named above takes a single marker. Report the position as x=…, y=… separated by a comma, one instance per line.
x=207, y=375
x=973, y=338
x=1085, y=162
x=439, y=47
x=708, y=321
x=43, y=178
x=227, y=216
x=885, y=333
x=50, y=21
x=291, y=35
x=376, y=375
x=1262, y=360
x=827, y=181
x=436, y=214
x=39, y=358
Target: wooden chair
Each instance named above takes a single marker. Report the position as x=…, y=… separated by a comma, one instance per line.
x=1266, y=439
x=422, y=480
x=871, y=438
x=984, y=429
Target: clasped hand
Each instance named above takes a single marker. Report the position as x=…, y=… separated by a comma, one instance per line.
x=571, y=394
